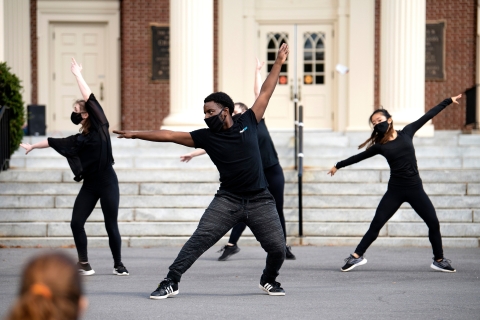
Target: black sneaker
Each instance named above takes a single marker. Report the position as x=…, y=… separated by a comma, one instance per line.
x=120, y=270
x=272, y=288
x=352, y=262
x=228, y=251
x=85, y=269
x=165, y=289
x=443, y=265
x=288, y=254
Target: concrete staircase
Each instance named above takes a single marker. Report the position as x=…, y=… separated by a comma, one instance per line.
x=162, y=199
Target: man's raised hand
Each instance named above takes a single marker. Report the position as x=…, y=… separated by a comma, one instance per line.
x=282, y=53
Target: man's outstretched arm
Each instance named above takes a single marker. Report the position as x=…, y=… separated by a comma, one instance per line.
x=268, y=86
x=183, y=138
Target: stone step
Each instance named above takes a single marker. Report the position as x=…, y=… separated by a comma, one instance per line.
x=312, y=138
x=201, y=188
x=202, y=201
x=339, y=153
x=153, y=162
x=194, y=215
x=174, y=229
x=211, y=175
x=67, y=242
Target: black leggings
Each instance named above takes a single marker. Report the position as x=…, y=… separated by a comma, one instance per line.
x=276, y=186
x=391, y=201
x=105, y=188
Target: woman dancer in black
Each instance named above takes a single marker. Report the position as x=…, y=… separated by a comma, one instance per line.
x=243, y=194
x=89, y=155
x=404, y=185
x=271, y=167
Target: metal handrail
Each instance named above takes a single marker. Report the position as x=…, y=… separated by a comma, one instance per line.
x=4, y=138
x=300, y=171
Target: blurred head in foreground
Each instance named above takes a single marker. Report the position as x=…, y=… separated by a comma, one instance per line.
x=51, y=289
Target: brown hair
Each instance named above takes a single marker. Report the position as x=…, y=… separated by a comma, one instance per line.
x=375, y=137
x=50, y=290
x=242, y=106
x=85, y=128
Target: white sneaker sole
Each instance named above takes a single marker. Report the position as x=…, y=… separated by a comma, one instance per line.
x=174, y=293
x=434, y=267
x=364, y=261
x=85, y=273
x=120, y=274
x=271, y=293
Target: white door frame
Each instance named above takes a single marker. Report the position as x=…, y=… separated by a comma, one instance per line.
x=105, y=11
x=353, y=23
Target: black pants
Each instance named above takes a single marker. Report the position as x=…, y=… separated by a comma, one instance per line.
x=227, y=209
x=391, y=201
x=276, y=186
x=103, y=186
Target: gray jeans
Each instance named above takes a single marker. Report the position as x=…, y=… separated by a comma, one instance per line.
x=226, y=210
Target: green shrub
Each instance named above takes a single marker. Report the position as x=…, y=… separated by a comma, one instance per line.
x=10, y=96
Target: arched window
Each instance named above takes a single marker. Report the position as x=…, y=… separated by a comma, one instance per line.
x=313, y=58
x=274, y=41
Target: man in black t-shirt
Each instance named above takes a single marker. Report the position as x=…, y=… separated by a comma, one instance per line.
x=243, y=194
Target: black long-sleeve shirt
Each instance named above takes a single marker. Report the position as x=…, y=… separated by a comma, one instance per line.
x=400, y=153
x=91, y=153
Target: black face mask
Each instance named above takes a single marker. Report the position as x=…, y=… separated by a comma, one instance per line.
x=76, y=118
x=237, y=116
x=381, y=128
x=215, y=123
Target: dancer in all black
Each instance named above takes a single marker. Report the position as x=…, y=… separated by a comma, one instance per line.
x=271, y=167
x=89, y=155
x=243, y=194
x=404, y=185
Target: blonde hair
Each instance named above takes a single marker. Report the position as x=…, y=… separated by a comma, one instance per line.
x=50, y=290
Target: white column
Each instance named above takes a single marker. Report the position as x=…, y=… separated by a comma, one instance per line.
x=361, y=76
x=2, y=32
x=17, y=42
x=342, y=58
x=402, y=87
x=191, y=61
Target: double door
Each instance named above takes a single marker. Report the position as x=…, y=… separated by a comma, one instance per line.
x=314, y=74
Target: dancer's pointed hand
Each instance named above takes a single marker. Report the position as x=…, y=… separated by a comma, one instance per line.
x=260, y=64
x=332, y=171
x=454, y=99
x=282, y=53
x=186, y=157
x=124, y=134
x=76, y=68
x=27, y=146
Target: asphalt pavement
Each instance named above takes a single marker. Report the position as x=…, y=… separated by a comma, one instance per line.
x=396, y=283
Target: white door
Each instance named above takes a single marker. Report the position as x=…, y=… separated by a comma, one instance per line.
x=86, y=43
x=314, y=72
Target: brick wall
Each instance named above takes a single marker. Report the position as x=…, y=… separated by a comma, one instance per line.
x=33, y=49
x=145, y=103
x=460, y=55
x=460, y=58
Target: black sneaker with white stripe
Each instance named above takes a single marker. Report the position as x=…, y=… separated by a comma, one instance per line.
x=352, y=262
x=85, y=269
x=165, y=289
x=443, y=265
x=120, y=270
x=272, y=288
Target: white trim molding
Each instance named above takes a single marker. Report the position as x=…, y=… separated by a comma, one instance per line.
x=54, y=11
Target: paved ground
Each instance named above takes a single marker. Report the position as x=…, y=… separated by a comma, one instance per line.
x=397, y=283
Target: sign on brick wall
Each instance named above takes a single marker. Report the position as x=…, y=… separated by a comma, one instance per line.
x=160, y=52
x=435, y=51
